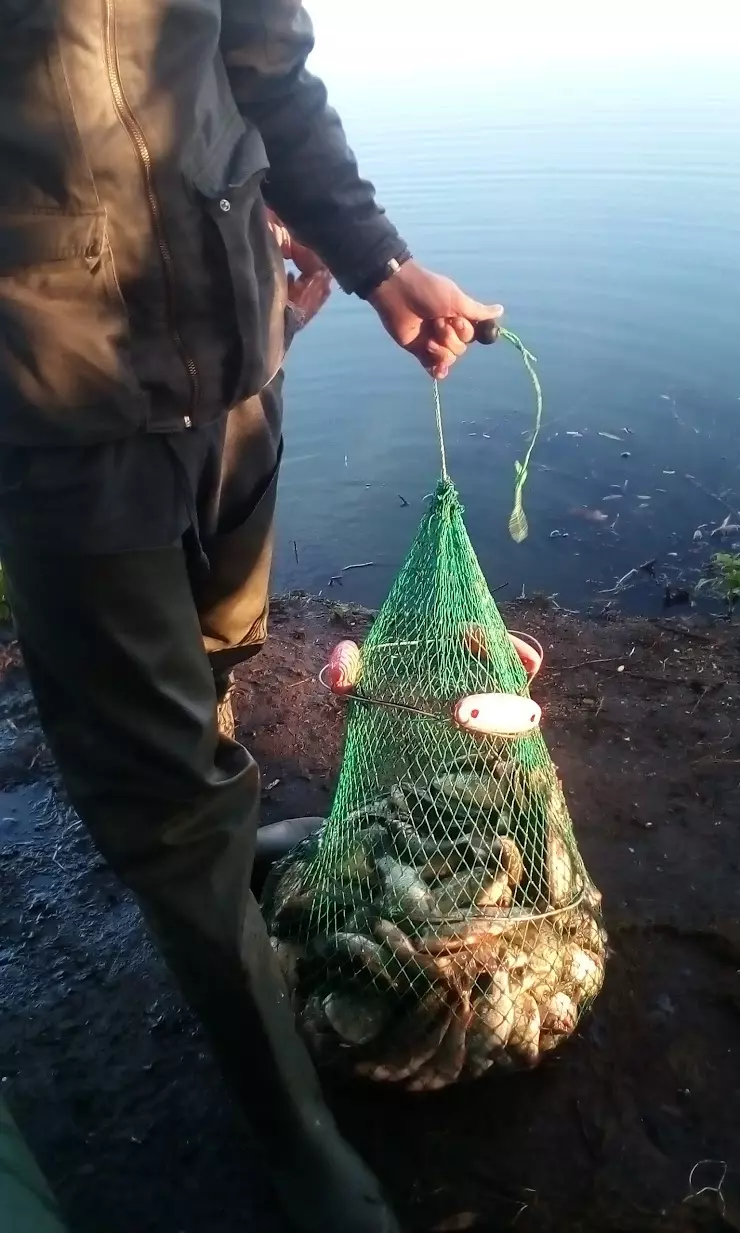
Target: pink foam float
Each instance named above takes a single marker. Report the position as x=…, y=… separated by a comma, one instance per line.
x=504, y=715
x=529, y=651
x=527, y=648
x=344, y=668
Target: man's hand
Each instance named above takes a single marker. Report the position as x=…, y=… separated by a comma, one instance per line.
x=309, y=292
x=429, y=316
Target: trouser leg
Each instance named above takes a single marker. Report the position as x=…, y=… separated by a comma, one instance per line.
x=127, y=698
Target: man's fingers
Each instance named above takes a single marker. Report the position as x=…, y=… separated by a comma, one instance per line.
x=436, y=353
x=472, y=310
x=447, y=335
x=305, y=259
x=308, y=294
x=464, y=329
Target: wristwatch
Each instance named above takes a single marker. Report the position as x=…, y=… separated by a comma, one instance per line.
x=380, y=276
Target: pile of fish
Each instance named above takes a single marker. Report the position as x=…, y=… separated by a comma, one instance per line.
x=442, y=929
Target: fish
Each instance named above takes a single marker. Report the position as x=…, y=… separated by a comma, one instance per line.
x=492, y=893
x=405, y=893
x=351, y=950
x=355, y=862
x=544, y=967
x=344, y=668
x=511, y=860
x=448, y=937
x=524, y=1038
x=559, y=1014
x=356, y=1017
x=290, y=883
x=497, y=714
x=392, y=935
x=492, y=1025
x=467, y=788
x=495, y=1011
x=411, y=1043
x=295, y=914
x=583, y=972
x=411, y=848
x=559, y=872
x=475, y=640
x=288, y=955
x=315, y=1027
x=445, y=1067
x=398, y=800
x=408, y=970
x=312, y=1018
x=587, y=932
x=458, y=894
x=551, y=1040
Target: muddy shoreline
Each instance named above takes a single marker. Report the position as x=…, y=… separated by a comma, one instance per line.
x=109, y=1077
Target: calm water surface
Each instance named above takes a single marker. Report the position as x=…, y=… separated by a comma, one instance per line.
x=604, y=212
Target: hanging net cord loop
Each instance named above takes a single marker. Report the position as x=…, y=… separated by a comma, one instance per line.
x=518, y=525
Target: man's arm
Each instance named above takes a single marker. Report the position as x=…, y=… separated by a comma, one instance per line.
x=315, y=187
x=313, y=184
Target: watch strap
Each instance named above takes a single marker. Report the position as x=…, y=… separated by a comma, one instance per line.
x=366, y=288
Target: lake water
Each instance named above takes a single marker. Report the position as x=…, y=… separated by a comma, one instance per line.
x=603, y=210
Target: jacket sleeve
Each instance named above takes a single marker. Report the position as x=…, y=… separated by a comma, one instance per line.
x=313, y=184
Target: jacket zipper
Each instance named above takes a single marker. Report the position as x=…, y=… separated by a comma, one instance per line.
x=130, y=123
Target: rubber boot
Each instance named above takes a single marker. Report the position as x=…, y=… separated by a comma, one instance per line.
x=276, y=839
x=320, y=1182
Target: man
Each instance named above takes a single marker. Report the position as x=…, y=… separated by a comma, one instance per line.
x=143, y=325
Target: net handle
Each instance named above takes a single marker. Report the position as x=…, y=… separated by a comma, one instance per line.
x=487, y=332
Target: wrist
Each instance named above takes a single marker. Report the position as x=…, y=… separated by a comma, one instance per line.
x=373, y=284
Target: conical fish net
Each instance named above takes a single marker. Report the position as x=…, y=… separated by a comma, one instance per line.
x=442, y=923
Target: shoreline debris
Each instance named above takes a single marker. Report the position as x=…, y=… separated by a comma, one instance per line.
x=726, y=528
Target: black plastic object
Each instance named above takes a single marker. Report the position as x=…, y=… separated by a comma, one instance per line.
x=486, y=332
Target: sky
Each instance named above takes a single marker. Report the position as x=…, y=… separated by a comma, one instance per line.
x=389, y=38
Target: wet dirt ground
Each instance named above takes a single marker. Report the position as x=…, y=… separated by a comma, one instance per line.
x=111, y=1082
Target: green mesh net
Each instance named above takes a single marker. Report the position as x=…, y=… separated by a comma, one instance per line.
x=442, y=923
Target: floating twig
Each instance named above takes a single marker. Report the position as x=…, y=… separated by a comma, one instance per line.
x=295, y=551
x=403, y=501
x=708, y=493
x=359, y=565
x=647, y=567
